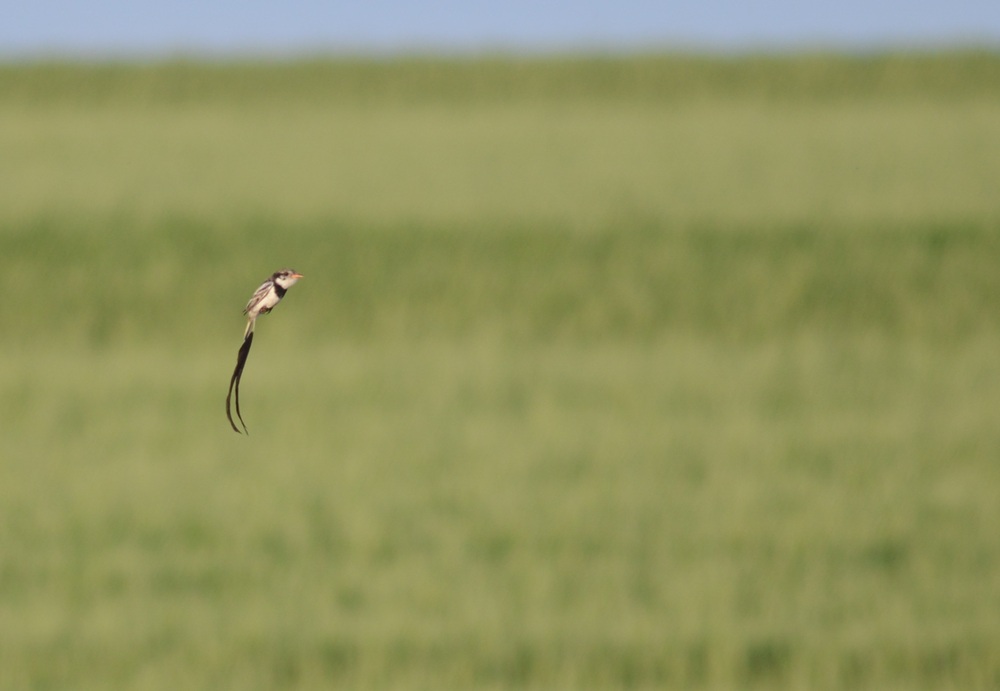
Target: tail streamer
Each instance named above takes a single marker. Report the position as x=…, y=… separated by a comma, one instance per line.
x=234, y=383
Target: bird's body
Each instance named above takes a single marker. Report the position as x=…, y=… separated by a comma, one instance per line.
x=263, y=301
x=268, y=295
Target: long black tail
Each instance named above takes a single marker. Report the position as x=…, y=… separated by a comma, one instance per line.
x=234, y=384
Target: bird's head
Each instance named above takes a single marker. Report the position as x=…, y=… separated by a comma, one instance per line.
x=286, y=278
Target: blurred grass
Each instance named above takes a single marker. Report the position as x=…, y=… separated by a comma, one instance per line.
x=588, y=144
x=605, y=373
x=641, y=282
x=651, y=78
x=586, y=167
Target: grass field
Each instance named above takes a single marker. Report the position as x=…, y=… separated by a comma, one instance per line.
x=651, y=372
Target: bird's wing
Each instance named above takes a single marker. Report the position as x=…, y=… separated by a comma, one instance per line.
x=258, y=295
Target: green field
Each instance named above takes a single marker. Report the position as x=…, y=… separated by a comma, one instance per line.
x=606, y=373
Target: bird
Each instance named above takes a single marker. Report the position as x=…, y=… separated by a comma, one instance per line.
x=261, y=302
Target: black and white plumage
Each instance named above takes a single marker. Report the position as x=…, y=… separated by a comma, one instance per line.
x=263, y=301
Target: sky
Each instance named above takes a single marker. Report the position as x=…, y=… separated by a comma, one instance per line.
x=142, y=28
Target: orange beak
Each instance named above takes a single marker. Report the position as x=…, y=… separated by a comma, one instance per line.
x=296, y=275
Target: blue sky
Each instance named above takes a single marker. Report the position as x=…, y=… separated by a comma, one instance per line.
x=103, y=28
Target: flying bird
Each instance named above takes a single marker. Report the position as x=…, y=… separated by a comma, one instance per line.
x=263, y=301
